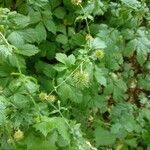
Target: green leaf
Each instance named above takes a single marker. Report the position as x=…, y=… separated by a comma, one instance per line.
x=15, y=38
x=61, y=57
x=50, y=124
x=50, y=25
x=2, y=110
x=15, y=59
x=48, y=49
x=68, y=61
x=41, y=32
x=46, y=69
x=71, y=59
x=119, y=90
x=144, y=82
x=59, y=12
x=97, y=43
x=100, y=77
x=35, y=142
x=60, y=67
x=35, y=16
x=145, y=113
x=61, y=38
x=55, y=3
x=109, y=89
x=30, y=35
x=21, y=20
x=132, y=3
x=28, y=50
x=61, y=28
x=5, y=70
x=103, y=137
x=46, y=126
x=5, y=51
x=143, y=46
x=75, y=95
x=130, y=48
x=20, y=100
x=68, y=92
x=121, y=85
x=78, y=39
x=131, y=142
x=118, y=94
x=30, y=85
x=63, y=91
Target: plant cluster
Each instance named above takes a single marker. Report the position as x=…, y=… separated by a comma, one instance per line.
x=74, y=74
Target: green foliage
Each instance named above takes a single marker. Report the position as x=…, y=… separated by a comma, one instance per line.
x=74, y=75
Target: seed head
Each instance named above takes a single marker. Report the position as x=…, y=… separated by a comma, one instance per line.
x=18, y=135
x=43, y=96
x=51, y=98
x=76, y=2
x=81, y=79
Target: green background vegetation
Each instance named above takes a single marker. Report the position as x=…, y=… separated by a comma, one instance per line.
x=74, y=75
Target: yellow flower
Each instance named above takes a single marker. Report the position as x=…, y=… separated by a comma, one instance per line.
x=76, y=2
x=18, y=135
x=99, y=53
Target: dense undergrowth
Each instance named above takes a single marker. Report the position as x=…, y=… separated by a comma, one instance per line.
x=74, y=75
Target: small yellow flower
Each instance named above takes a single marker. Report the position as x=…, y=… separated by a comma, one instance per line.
x=51, y=98
x=81, y=79
x=99, y=53
x=43, y=96
x=76, y=2
x=18, y=135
